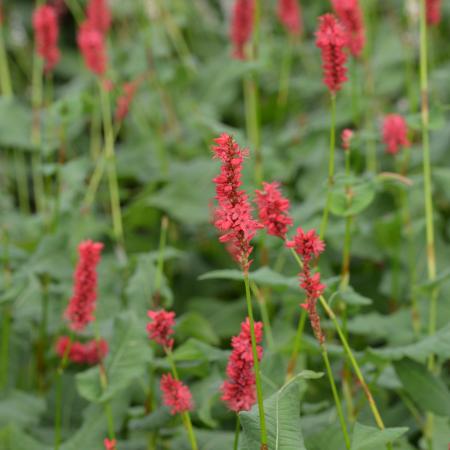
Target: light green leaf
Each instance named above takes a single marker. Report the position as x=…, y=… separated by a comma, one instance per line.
x=13, y=438
x=21, y=408
x=370, y=438
x=195, y=325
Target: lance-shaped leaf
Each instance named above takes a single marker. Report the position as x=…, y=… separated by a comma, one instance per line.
x=370, y=438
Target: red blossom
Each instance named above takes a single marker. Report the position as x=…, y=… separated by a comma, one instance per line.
x=331, y=39
x=350, y=14
x=45, y=24
x=92, y=46
x=89, y=353
x=273, y=209
x=433, y=11
x=160, y=329
x=176, y=395
x=233, y=215
x=309, y=245
x=289, y=13
x=82, y=304
x=110, y=444
x=395, y=133
x=125, y=99
x=239, y=390
x=241, y=26
x=346, y=137
x=98, y=15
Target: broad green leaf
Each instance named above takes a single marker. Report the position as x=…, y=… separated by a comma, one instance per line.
x=195, y=350
x=21, y=409
x=351, y=297
x=370, y=438
x=282, y=411
x=195, y=325
x=127, y=361
x=427, y=390
x=429, y=286
x=441, y=432
x=13, y=438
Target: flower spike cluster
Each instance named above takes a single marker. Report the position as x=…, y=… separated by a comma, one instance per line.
x=176, y=395
x=98, y=15
x=346, y=137
x=350, y=14
x=289, y=13
x=233, y=216
x=395, y=133
x=433, y=11
x=239, y=391
x=308, y=246
x=331, y=39
x=92, y=46
x=80, y=310
x=110, y=444
x=125, y=99
x=91, y=352
x=46, y=31
x=241, y=26
x=273, y=210
x=160, y=329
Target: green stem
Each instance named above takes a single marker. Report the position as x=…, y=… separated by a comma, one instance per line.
x=5, y=77
x=76, y=10
x=111, y=167
x=292, y=365
x=337, y=400
x=6, y=320
x=323, y=226
x=264, y=313
x=283, y=90
x=236, y=433
x=262, y=417
x=186, y=416
x=160, y=266
x=20, y=168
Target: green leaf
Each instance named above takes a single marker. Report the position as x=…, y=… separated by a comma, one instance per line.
x=13, y=438
x=351, y=199
x=127, y=361
x=429, y=286
x=195, y=350
x=21, y=408
x=427, y=390
x=282, y=411
x=370, y=438
x=351, y=297
x=195, y=325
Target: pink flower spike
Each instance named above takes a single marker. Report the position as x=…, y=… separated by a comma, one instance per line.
x=160, y=329
x=395, y=133
x=241, y=26
x=306, y=245
x=433, y=11
x=124, y=101
x=99, y=15
x=176, y=395
x=289, y=13
x=331, y=39
x=90, y=353
x=110, y=444
x=92, y=46
x=273, y=210
x=46, y=31
x=80, y=310
x=346, y=137
x=239, y=390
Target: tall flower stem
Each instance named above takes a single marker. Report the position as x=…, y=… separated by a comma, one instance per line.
x=259, y=294
x=111, y=167
x=337, y=400
x=323, y=226
x=5, y=77
x=292, y=365
x=262, y=417
x=236, y=433
x=160, y=265
x=186, y=416
x=283, y=88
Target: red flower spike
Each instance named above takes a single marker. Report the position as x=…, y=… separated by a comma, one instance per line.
x=331, y=39
x=160, y=329
x=110, y=444
x=239, y=390
x=90, y=353
x=395, y=133
x=350, y=15
x=92, y=46
x=273, y=210
x=124, y=101
x=233, y=215
x=45, y=24
x=346, y=137
x=176, y=395
x=309, y=245
x=99, y=15
x=82, y=304
x=241, y=26
x=289, y=13
x=433, y=11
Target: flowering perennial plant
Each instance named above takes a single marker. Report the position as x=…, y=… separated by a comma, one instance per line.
x=91, y=42
x=308, y=246
x=110, y=444
x=273, y=210
x=176, y=395
x=89, y=353
x=331, y=38
x=124, y=101
x=350, y=14
x=160, y=329
x=395, y=133
x=289, y=13
x=241, y=26
x=46, y=31
x=80, y=311
x=233, y=216
x=99, y=15
x=433, y=11
x=238, y=391
x=346, y=137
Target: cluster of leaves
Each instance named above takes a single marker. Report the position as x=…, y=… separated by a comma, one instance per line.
x=192, y=91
